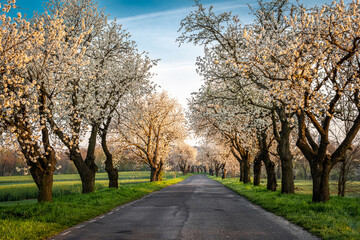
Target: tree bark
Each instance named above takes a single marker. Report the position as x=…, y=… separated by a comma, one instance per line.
x=43, y=178
x=156, y=172
x=223, y=170
x=183, y=169
x=112, y=172
x=246, y=169
x=342, y=179
x=87, y=169
x=153, y=171
x=283, y=149
x=269, y=165
x=241, y=171
x=320, y=175
x=160, y=171
x=257, y=169
x=42, y=165
x=217, y=170
x=87, y=174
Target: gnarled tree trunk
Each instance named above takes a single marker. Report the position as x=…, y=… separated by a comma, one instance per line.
x=223, y=170
x=265, y=157
x=257, y=169
x=42, y=165
x=87, y=169
x=112, y=172
x=160, y=171
x=283, y=149
x=156, y=171
x=320, y=175
x=246, y=170
x=342, y=180
x=43, y=176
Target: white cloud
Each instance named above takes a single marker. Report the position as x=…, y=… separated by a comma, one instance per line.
x=220, y=6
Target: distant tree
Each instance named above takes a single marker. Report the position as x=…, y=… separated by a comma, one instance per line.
x=149, y=126
x=183, y=155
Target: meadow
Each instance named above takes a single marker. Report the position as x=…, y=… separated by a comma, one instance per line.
x=16, y=188
x=28, y=219
x=337, y=219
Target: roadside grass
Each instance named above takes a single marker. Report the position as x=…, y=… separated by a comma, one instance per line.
x=16, y=188
x=337, y=219
x=30, y=220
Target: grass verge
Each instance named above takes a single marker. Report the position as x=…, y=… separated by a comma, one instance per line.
x=29, y=220
x=337, y=219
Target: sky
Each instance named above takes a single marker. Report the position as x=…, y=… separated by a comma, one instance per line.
x=154, y=25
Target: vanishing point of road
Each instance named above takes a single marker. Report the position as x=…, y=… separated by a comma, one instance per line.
x=197, y=208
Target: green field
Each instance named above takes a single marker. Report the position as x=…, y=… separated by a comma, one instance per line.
x=28, y=219
x=305, y=187
x=16, y=188
x=337, y=219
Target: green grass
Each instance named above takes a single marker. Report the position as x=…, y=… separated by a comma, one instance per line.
x=4, y=180
x=352, y=187
x=31, y=220
x=17, y=188
x=337, y=219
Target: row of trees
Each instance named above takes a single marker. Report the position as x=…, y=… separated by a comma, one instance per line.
x=289, y=78
x=71, y=77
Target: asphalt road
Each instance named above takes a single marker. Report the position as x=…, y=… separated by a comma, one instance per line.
x=197, y=208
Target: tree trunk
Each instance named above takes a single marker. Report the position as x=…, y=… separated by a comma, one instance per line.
x=271, y=176
x=320, y=176
x=223, y=170
x=241, y=171
x=160, y=171
x=45, y=188
x=257, y=170
x=342, y=179
x=224, y=174
x=156, y=172
x=183, y=169
x=109, y=166
x=269, y=165
x=246, y=168
x=42, y=170
x=217, y=170
x=88, y=182
x=44, y=182
x=278, y=169
x=87, y=174
x=286, y=158
x=153, y=171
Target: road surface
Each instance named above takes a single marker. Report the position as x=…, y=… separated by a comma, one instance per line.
x=197, y=208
